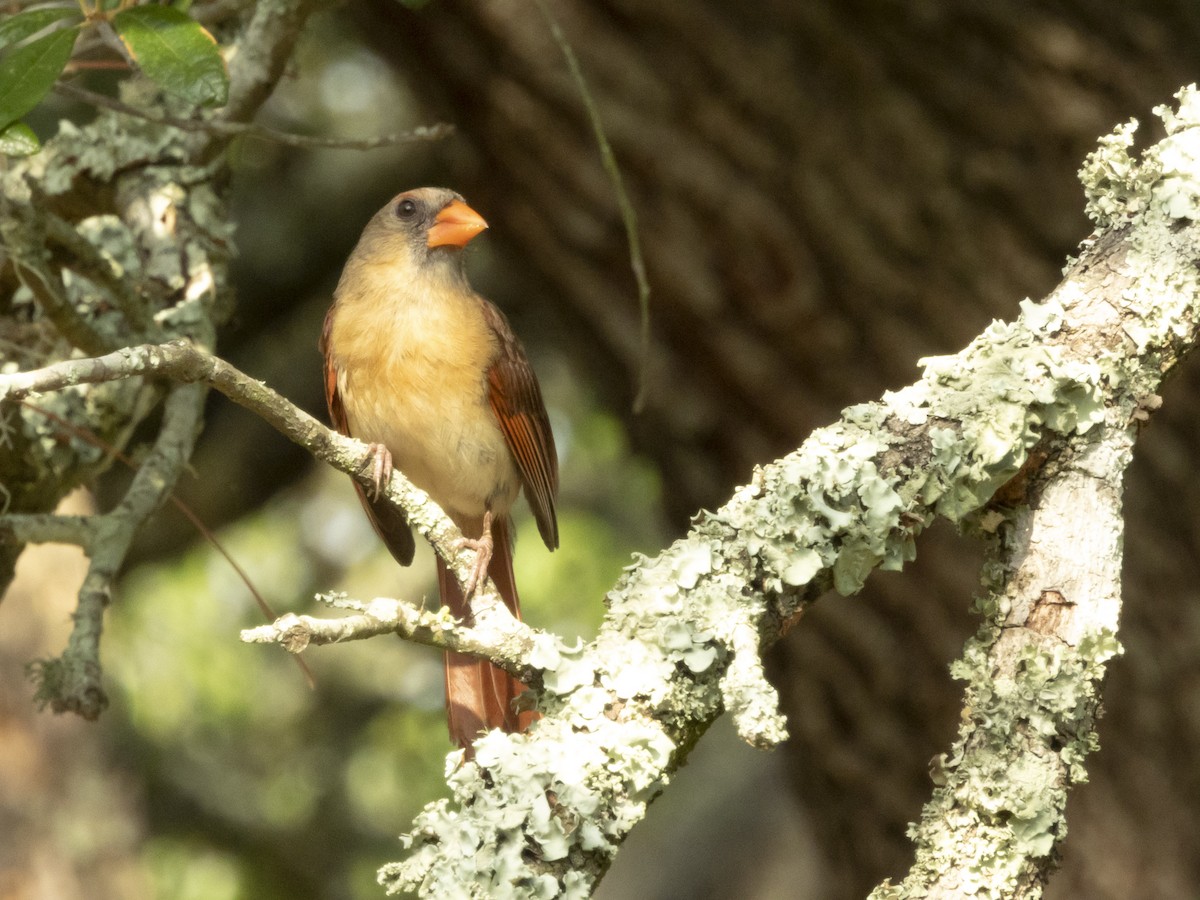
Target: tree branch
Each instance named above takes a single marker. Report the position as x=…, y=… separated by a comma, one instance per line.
x=183, y=362
x=494, y=634
x=1034, y=673
x=423, y=133
x=72, y=683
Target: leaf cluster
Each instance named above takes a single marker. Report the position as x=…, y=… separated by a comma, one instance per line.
x=163, y=42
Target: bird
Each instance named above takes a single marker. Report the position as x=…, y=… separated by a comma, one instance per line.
x=431, y=376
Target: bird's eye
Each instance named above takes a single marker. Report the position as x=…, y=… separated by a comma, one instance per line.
x=406, y=209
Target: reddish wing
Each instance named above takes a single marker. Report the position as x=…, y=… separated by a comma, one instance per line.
x=516, y=399
x=337, y=412
x=389, y=523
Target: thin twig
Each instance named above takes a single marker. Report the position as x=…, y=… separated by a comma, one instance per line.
x=628, y=214
x=73, y=681
x=63, y=529
x=48, y=528
x=505, y=641
x=184, y=362
x=434, y=132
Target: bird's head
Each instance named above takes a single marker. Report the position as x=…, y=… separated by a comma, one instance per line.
x=416, y=240
x=428, y=222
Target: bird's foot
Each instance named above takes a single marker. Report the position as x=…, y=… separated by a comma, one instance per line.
x=483, y=547
x=380, y=460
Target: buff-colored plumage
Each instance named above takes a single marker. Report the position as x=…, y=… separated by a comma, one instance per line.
x=422, y=366
x=411, y=356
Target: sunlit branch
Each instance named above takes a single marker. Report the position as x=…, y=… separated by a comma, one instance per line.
x=495, y=634
x=183, y=362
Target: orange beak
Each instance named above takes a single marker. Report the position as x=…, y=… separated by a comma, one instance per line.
x=455, y=226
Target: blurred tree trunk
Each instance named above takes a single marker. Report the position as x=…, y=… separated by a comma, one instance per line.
x=827, y=192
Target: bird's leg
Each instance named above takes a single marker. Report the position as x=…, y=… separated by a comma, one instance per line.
x=380, y=460
x=483, y=546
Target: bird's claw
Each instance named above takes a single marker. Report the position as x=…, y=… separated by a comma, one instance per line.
x=483, y=547
x=381, y=468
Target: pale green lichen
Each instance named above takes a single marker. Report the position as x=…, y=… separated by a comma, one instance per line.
x=830, y=488
x=1177, y=158
x=844, y=516
x=1120, y=186
x=523, y=800
x=1161, y=187
x=1004, y=388
x=992, y=792
x=1112, y=179
x=150, y=267
x=748, y=696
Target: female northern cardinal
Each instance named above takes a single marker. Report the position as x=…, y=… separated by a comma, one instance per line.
x=431, y=375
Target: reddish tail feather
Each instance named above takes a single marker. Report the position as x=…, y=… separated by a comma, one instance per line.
x=479, y=696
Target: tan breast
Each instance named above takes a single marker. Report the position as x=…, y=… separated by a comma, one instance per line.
x=412, y=363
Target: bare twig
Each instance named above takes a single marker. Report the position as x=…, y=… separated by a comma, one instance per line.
x=81, y=529
x=494, y=635
x=421, y=134
x=72, y=682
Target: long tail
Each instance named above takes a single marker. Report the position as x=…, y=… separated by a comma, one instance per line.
x=479, y=696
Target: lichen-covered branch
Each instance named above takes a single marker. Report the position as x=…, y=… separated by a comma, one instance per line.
x=1047, y=406
x=1033, y=673
x=1053, y=578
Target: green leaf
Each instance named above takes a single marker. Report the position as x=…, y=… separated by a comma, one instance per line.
x=15, y=29
x=175, y=52
x=18, y=139
x=29, y=72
